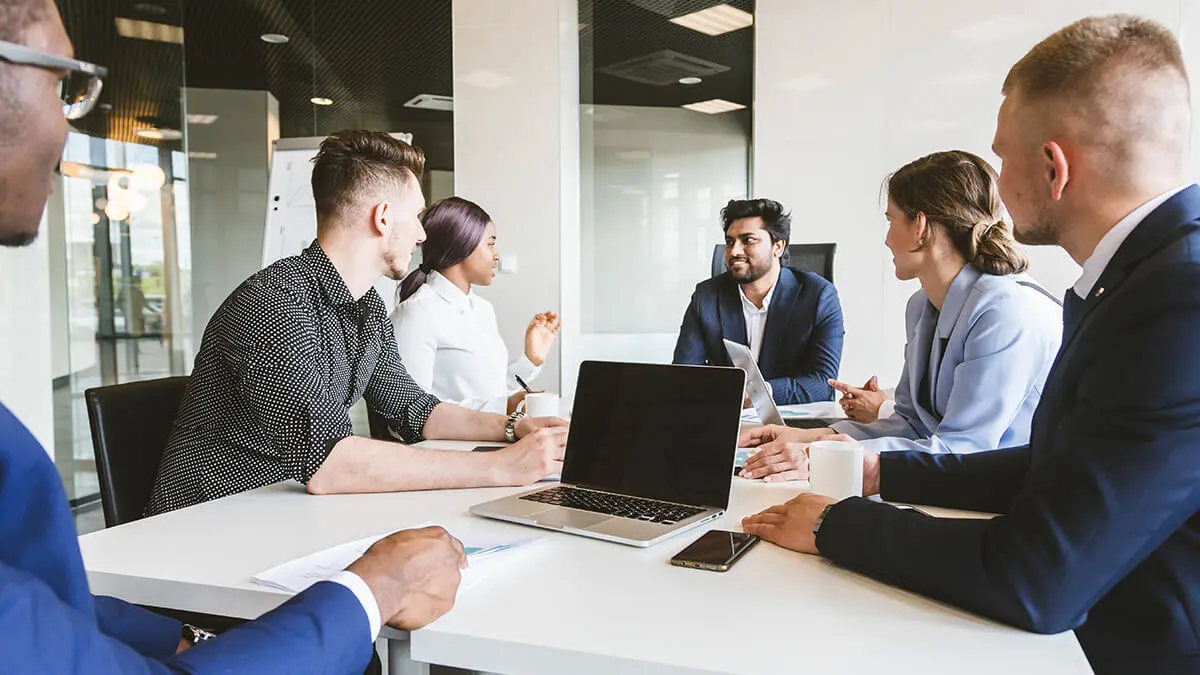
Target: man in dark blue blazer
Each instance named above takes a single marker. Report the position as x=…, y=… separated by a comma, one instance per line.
x=790, y=319
x=49, y=620
x=1100, y=530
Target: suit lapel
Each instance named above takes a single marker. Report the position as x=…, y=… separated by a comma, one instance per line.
x=1148, y=237
x=919, y=350
x=778, y=315
x=729, y=307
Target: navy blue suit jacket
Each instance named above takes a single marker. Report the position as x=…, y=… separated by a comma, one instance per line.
x=51, y=623
x=1100, y=530
x=802, y=344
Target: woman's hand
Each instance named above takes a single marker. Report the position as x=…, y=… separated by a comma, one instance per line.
x=540, y=335
x=861, y=404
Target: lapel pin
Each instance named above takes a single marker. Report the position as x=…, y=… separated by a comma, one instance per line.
x=1099, y=291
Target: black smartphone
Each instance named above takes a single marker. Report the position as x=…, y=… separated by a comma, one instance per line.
x=488, y=448
x=715, y=550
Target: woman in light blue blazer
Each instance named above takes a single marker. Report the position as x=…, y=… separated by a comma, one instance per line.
x=981, y=334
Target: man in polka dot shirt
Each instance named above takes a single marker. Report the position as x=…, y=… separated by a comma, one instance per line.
x=298, y=343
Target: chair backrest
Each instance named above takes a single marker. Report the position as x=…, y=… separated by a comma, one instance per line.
x=131, y=424
x=815, y=258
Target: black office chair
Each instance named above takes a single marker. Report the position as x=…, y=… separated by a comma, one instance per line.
x=131, y=424
x=815, y=258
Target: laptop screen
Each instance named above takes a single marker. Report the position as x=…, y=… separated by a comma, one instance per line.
x=655, y=431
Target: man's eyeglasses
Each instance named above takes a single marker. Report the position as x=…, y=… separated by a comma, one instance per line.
x=79, y=87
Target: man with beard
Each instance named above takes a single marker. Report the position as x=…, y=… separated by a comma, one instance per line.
x=789, y=318
x=1100, y=524
x=300, y=342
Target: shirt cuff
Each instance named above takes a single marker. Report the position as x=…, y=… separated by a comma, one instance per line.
x=887, y=408
x=365, y=597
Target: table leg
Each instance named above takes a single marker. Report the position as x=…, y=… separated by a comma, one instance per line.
x=399, y=661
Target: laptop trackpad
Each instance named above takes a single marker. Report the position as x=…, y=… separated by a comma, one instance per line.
x=579, y=520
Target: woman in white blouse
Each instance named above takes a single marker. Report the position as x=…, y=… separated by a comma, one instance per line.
x=447, y=335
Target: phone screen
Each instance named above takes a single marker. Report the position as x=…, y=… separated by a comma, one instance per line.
x=716, y=548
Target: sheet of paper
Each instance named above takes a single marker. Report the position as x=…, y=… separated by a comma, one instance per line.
x=296, y=575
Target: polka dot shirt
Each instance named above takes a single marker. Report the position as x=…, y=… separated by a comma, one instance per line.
x=281, y=363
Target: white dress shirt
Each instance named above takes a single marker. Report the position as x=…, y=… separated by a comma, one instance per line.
x=756, y=319
x=451, y=346
x=1094, y=266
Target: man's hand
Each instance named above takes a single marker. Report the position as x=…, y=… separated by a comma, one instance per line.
x=540, y=335
x=532, y=458
x=753, y=438
x=860, y=404
x=790, y=525
x=184, y=645
x=528, y=425
x=414, y=575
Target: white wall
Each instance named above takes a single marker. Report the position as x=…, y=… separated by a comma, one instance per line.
x=849, y=92
x=516, y=147
x=227, y=194
x=25, y=352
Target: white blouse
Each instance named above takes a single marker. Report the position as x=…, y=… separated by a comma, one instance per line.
x=451, y=346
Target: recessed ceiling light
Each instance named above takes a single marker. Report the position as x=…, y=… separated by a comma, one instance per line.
x=714, y=106
x=716, y=20
x=149, y=30
x=196, y=154
x=431, y=102
x=274, y=38
x=159, y=134
x=197, y=118
x=690, y=80
x=321, y=100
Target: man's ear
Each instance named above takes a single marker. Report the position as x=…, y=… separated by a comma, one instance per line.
x=381, y=218
x=780, y=246
x=1057, y=169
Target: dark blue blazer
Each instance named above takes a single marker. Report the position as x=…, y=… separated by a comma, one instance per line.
x=51, y=623
x=1101, y=531
x=802, y=344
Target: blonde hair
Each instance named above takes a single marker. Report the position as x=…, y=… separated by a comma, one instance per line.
x=958, y=193
x=1076, y=60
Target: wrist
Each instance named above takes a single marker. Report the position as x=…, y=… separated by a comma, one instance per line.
x=871, y=477
x=533, y=358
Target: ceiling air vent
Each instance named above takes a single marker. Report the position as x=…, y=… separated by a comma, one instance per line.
x=431, y=102
x=663, y=68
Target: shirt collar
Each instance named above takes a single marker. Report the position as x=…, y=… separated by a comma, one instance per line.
x=331, y=282
x=766, y=303
x=1094, y=266
x=448, y=291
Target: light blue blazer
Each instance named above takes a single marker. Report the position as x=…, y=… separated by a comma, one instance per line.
x=987, y=354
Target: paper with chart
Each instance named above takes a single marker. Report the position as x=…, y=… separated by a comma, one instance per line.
x=296, y=575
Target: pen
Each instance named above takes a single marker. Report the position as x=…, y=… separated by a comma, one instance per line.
x=523, y=385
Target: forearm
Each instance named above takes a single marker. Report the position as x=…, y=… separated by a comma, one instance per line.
x=453, y=423
x=359, y=464
x=984, y=481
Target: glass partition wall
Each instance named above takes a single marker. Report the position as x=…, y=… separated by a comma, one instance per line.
x=118, y=222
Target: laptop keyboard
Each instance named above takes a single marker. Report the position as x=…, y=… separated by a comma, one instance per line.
x=621, y=506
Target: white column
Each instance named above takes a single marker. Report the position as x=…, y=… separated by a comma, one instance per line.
x=516, y=153
x=25, y=339
x=227, y=183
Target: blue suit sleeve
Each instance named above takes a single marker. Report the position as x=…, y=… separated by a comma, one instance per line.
x=822, y=356
x=689, y=348
x=323, y=630
x=1122, y=476
x=150, y=634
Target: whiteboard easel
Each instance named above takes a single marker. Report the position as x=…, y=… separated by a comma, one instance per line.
x=292, y=211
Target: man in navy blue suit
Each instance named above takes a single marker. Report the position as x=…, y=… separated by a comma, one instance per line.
x=789, y=318
x=1100, y=524
x=49, y=620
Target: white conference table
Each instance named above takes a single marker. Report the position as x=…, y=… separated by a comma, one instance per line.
x=570, y=604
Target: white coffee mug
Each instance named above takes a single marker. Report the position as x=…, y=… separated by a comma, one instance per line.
x=835, y=468
x=542, y=404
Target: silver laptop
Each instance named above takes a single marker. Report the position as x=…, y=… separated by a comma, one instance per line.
x=647, y=457
x=760, y=395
